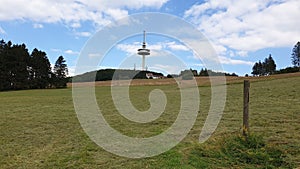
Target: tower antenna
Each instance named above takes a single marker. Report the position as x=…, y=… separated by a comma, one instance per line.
x=144, y=37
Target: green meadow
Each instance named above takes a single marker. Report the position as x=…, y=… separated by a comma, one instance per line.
x=40, y=129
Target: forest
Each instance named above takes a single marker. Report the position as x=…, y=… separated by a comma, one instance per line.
x=20, y=69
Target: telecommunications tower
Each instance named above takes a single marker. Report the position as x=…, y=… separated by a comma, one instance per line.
x=143, y=51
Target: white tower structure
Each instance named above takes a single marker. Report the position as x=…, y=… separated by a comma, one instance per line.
x=144, y=51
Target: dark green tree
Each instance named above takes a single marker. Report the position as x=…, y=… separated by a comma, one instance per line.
x=60, y=72
x=13, y=66
x=269, y=65
x=20, y=76
x=255, y=70
x=39, y=69
x=21, y=70
x=296, y=55
x=194, y=72
x=4, y=73
x=260, y=68
x=203, y=72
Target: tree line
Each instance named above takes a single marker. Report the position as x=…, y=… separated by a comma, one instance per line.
x=20, y=69
x=268, y=67
x=208, y=72
x=191, y=73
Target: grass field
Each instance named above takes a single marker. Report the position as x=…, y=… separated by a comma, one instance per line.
x=40, y=129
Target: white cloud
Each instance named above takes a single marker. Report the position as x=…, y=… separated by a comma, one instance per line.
x=116, y=13
x=71, y=52
x=174, y=46
x=130, y=49
x=160, y=49
x=167, y=69
x=71, y=70
x=220, y=49
x=94, y=55
x=229, y=61
x=198, y=64
x=83, y=34
x=38, y=26
x=242, y=53
x=75, y=25
x=131, y=4
x=157, y=46
x=71, y=12
x=2, y=31
x=248, y=25
x=155, y=49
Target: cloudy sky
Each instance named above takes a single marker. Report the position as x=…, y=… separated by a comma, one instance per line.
x=241, y=31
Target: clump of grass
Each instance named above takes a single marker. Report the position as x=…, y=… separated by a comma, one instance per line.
x=254, y=150
x=236, y=151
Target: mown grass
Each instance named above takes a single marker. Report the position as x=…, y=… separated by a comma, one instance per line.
x=39, y=129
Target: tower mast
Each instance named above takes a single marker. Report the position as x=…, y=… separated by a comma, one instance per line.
x=144, y=51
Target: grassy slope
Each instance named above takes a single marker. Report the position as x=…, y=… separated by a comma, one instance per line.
x=39, y=128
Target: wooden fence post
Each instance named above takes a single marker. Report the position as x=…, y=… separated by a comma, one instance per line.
x=246, y=108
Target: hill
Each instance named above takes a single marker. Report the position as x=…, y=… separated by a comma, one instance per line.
x=114, y=74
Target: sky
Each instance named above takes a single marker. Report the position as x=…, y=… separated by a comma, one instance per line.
x=241, y=32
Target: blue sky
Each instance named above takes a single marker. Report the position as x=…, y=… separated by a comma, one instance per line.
x=241, y=31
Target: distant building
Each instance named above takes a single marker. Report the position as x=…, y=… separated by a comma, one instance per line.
x=154, y=76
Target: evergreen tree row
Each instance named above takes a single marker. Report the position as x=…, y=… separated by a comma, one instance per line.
x=21, y=70
x=267, y=67
x=191, y=73
x=207, y=72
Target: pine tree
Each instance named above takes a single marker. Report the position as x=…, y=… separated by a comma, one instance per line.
x=13, y=74
x=260, y=68
x=255, y=70
x=267, y=67
x=60, y=72
x=4, y=77
x=203, y=72
x=270, y=65
x=21, y=76
x=296, y=55
x=39, y=69
x=21, y=70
